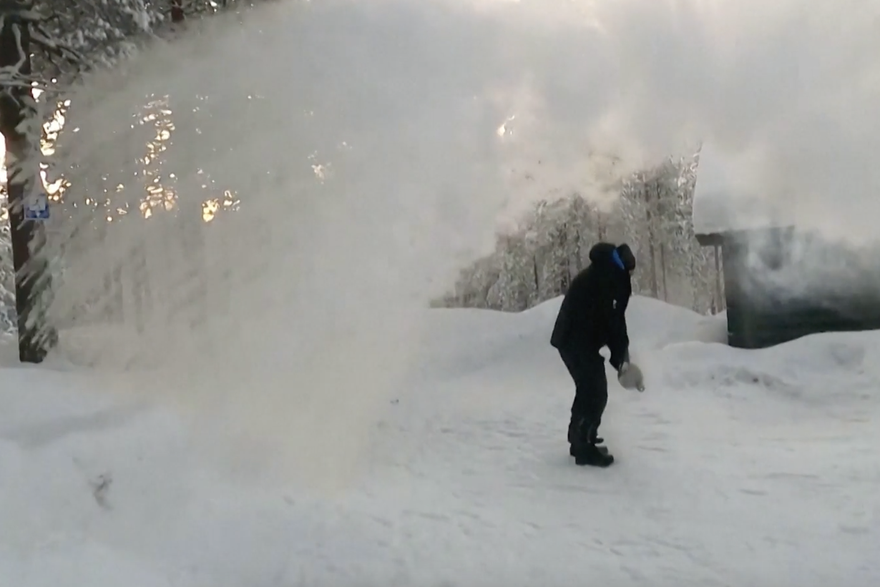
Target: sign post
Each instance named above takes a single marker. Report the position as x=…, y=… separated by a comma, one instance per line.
x=37, y=208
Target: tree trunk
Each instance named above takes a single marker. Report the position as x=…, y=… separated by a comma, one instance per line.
x=141, y=295
x=649, y=218
x=601, y=230
x=537, y=281
x=177, y=14
x=663, y=271
x=32, y=280
x=719, y=296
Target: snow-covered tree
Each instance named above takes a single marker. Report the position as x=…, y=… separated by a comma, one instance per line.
x=103, y=30
x=653, y=214
x=44, y=44
x=516, y=280
x=21, y=34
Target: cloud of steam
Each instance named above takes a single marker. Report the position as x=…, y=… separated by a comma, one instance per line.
x=785, y=90
x=374, y=146
x=782, y=96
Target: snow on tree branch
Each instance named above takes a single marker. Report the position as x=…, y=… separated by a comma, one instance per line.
x=19, y=15
x=83, y=33
x=86, y=32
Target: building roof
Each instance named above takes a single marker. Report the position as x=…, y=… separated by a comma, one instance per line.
x=723, y=202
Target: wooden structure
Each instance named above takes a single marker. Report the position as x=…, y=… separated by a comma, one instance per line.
x=776, y=288
x=782, y=282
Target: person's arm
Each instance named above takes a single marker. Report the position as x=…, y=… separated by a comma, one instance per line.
x=618, y=338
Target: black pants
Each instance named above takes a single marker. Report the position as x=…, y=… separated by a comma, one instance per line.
x=587, y=369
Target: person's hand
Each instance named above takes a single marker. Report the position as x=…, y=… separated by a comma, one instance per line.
x=630, y=377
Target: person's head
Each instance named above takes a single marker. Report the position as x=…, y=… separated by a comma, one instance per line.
x=624, y=258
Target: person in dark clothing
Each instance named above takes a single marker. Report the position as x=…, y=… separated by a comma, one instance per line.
x=593, y=315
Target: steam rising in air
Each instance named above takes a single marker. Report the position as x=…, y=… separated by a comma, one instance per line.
x=373, y=147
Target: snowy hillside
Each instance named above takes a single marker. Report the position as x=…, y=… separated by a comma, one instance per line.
x=733, y=468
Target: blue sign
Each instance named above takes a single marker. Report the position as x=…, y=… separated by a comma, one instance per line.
x=37, y=208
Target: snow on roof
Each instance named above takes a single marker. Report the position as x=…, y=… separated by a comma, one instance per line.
x=723, y=202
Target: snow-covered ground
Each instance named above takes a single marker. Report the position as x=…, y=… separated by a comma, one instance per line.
x=733, y=468
x=323, y=428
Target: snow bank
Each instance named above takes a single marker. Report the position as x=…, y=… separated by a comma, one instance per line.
x=821, y=368
x=517, y=337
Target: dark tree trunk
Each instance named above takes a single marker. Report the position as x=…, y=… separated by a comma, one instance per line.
x=719, y=295
x=140, y=289
x=32, y=279
x=601, y=229
x=649, y=219
x=537, y=281
x=663, y=281
x=177, y=14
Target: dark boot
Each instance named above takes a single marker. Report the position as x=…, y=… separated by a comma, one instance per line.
x=577, y=436
x=584, y=436
x=593, y=456
x=575, y=427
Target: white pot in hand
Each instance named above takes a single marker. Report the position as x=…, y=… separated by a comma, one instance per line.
x=630, y=377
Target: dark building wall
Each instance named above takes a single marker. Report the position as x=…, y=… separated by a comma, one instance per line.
x=762, y=311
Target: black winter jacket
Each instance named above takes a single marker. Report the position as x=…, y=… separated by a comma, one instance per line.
x=593, y=311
